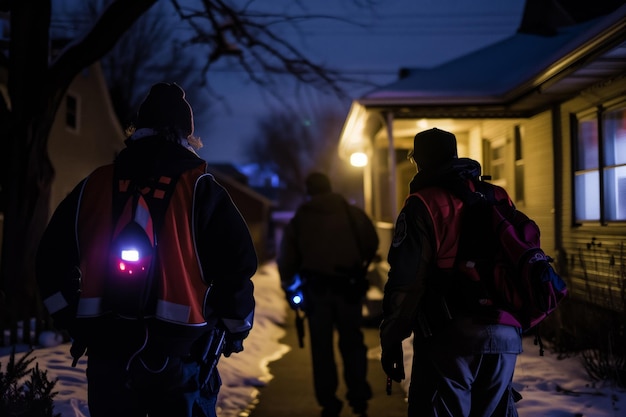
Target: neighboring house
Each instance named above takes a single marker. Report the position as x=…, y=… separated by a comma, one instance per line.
x=85, y=133
x=546, y=117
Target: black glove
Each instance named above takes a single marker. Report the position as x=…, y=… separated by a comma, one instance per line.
x=294, y=292
x=233, y=343
x=392, y=359
x=77, y=350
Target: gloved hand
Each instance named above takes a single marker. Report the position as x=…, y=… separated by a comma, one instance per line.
x=233, y=343
x=392, y=359
x=295, y=300
x=294, y=292
x=77, y=350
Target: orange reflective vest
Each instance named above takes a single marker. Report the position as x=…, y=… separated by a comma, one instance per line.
x=182, y=291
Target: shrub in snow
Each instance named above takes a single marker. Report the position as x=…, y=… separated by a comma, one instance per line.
x=24, y=391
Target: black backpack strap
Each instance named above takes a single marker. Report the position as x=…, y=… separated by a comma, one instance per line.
x=476, y=248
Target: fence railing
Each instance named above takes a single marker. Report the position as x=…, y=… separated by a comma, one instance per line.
x=22, y=332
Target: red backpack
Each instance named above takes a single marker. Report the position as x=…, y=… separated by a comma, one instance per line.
x=503, y=246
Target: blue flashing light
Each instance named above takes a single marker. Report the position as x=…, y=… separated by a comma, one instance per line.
x=295, y=284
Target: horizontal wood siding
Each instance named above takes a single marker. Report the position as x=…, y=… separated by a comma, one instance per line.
x=538, y=169
x=539, y=173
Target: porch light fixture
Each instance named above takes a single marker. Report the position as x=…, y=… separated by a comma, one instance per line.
x=358, y=159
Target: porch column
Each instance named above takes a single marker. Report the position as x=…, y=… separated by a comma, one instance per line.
x=393, y=190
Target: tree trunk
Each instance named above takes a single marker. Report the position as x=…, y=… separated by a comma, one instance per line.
x=36, y=85
x=25, y=217
x=26, y=170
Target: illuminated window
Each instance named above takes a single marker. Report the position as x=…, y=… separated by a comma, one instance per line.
x=600, y=166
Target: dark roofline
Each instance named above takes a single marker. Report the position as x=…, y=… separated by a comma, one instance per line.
x=558, y=79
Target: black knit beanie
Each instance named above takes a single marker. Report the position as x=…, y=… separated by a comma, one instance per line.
x=165, y=106
x=433, y=148
x=317, y=183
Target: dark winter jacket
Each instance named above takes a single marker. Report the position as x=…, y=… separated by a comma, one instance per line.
x=326, y=237
x=219, y=237
x=425, y=239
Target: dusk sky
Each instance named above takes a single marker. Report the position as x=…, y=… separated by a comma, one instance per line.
x=371, y=40
x=393, y=34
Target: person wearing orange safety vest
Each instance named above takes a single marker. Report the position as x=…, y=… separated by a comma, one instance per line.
x=152, y=363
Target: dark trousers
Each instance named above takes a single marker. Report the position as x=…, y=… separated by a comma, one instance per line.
x=448, y=385
x=165, y=387
x=328, y=311
x=465, y=370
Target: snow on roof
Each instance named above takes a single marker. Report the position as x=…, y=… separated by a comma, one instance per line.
x=496, y=70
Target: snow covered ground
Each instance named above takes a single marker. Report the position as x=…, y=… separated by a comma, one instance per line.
x=550, y=387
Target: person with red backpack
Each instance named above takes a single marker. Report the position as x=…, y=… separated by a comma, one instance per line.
x=464, y=355
x=147, y=264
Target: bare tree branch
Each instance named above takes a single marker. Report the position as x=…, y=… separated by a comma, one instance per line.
x=263, y=52
x=294, y=143
x=147, y=53
x=113, y=22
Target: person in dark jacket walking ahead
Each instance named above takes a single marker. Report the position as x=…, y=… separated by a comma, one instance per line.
x=153, y=321
x=463, y=361
x=329, y=244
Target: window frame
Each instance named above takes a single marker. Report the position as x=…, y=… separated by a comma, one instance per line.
x=76, y=114
x=601, y=167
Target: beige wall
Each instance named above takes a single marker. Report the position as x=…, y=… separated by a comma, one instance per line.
x=76, y=152
x=539, y=174
x=537, y=155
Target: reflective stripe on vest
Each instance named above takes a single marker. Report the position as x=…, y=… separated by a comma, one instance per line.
x=182, y=290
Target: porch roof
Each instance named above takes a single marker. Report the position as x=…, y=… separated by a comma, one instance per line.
x=517, y=77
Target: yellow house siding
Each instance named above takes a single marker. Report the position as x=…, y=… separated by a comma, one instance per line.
x=500, y=134
x=537, y=156
x=539, y=173
x=76, y=152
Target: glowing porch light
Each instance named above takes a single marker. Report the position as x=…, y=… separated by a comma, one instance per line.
x=358, y=159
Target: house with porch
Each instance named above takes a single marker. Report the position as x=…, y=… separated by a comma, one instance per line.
x=544, y=112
